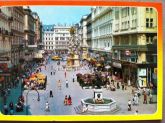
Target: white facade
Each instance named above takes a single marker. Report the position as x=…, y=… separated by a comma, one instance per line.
x=102, y=25
x=49, y=40
x=83, y=31
x=56, y=38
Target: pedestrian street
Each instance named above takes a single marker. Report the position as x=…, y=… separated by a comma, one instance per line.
x=77, y=93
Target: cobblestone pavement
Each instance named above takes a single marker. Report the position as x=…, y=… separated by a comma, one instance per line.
x=77, y=93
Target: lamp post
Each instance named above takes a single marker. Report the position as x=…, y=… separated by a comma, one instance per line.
x=38, y=98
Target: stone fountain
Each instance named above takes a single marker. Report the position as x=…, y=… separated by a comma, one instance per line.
x=98, y=103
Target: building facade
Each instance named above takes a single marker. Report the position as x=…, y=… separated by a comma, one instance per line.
x=17, y=41
x=29, y=30
x=49, y=37
x=37, y=28
x=56, y=38
x=89, y=30
x=102, y=24
x=83, y=38
x=135, y=45
x=5, y=46
x=29, y=34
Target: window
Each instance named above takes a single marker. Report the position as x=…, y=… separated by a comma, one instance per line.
x=117, y=14
x=151, y=10
x=56, y=38
x=147, y=9
x=151, y=22
x=62, y=38
x=147, y=22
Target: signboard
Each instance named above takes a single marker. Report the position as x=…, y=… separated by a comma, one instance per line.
x=127, y=53
x=4, y=58
x=142, y=72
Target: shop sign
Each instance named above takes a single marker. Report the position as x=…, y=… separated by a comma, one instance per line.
x=142, y=72
x=127, y=53
x=142, y=82
x=4, y=58
x=115, y=64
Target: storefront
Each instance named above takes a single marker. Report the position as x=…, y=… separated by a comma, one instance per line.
x=129, y=72
x=147, y=75
x=117, y=69
x=140, y=75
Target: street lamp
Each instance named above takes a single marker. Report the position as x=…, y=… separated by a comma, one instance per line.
x=38, y=98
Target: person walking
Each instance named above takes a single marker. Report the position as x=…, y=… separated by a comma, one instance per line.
x=65, y=73
x=51, y=73
x=47, y=107
x=136, y=112
x=69, y=100
x=145, y=98
x=73, y=77
x=151, y=98
x=51, y=93
x=122, y=86
x=5, y=107
x=66, y=83
x=59, y=84
x=66, y=100
x=129, y=105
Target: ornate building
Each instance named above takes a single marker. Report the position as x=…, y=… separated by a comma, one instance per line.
x=135, y=44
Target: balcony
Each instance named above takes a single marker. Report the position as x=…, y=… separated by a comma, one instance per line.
x=6, y=32
x=10, y=19
x=11, y=34
x=147, y=47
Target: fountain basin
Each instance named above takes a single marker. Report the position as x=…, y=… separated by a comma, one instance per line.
x=108, y=105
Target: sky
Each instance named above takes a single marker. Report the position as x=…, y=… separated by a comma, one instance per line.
x=60, y=14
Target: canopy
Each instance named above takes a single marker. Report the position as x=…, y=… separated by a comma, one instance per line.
x=32, y=79
x=41, y=81
x=41, y=76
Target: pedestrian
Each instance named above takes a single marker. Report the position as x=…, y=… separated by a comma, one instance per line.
x=136, y=112
x=54, y=72
x=151, y=98
x=118, y=86
x=122, y=86
x=66, y=100
x=5, y=107
x=69, y=100
x=129, y=105
x=11, y=105
x=51, y=73
x=47, y=107
x=65, y=74
x=59, y=84
x=51, y=93
x=73, y=77
x=145, y=98
x=66, y=83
